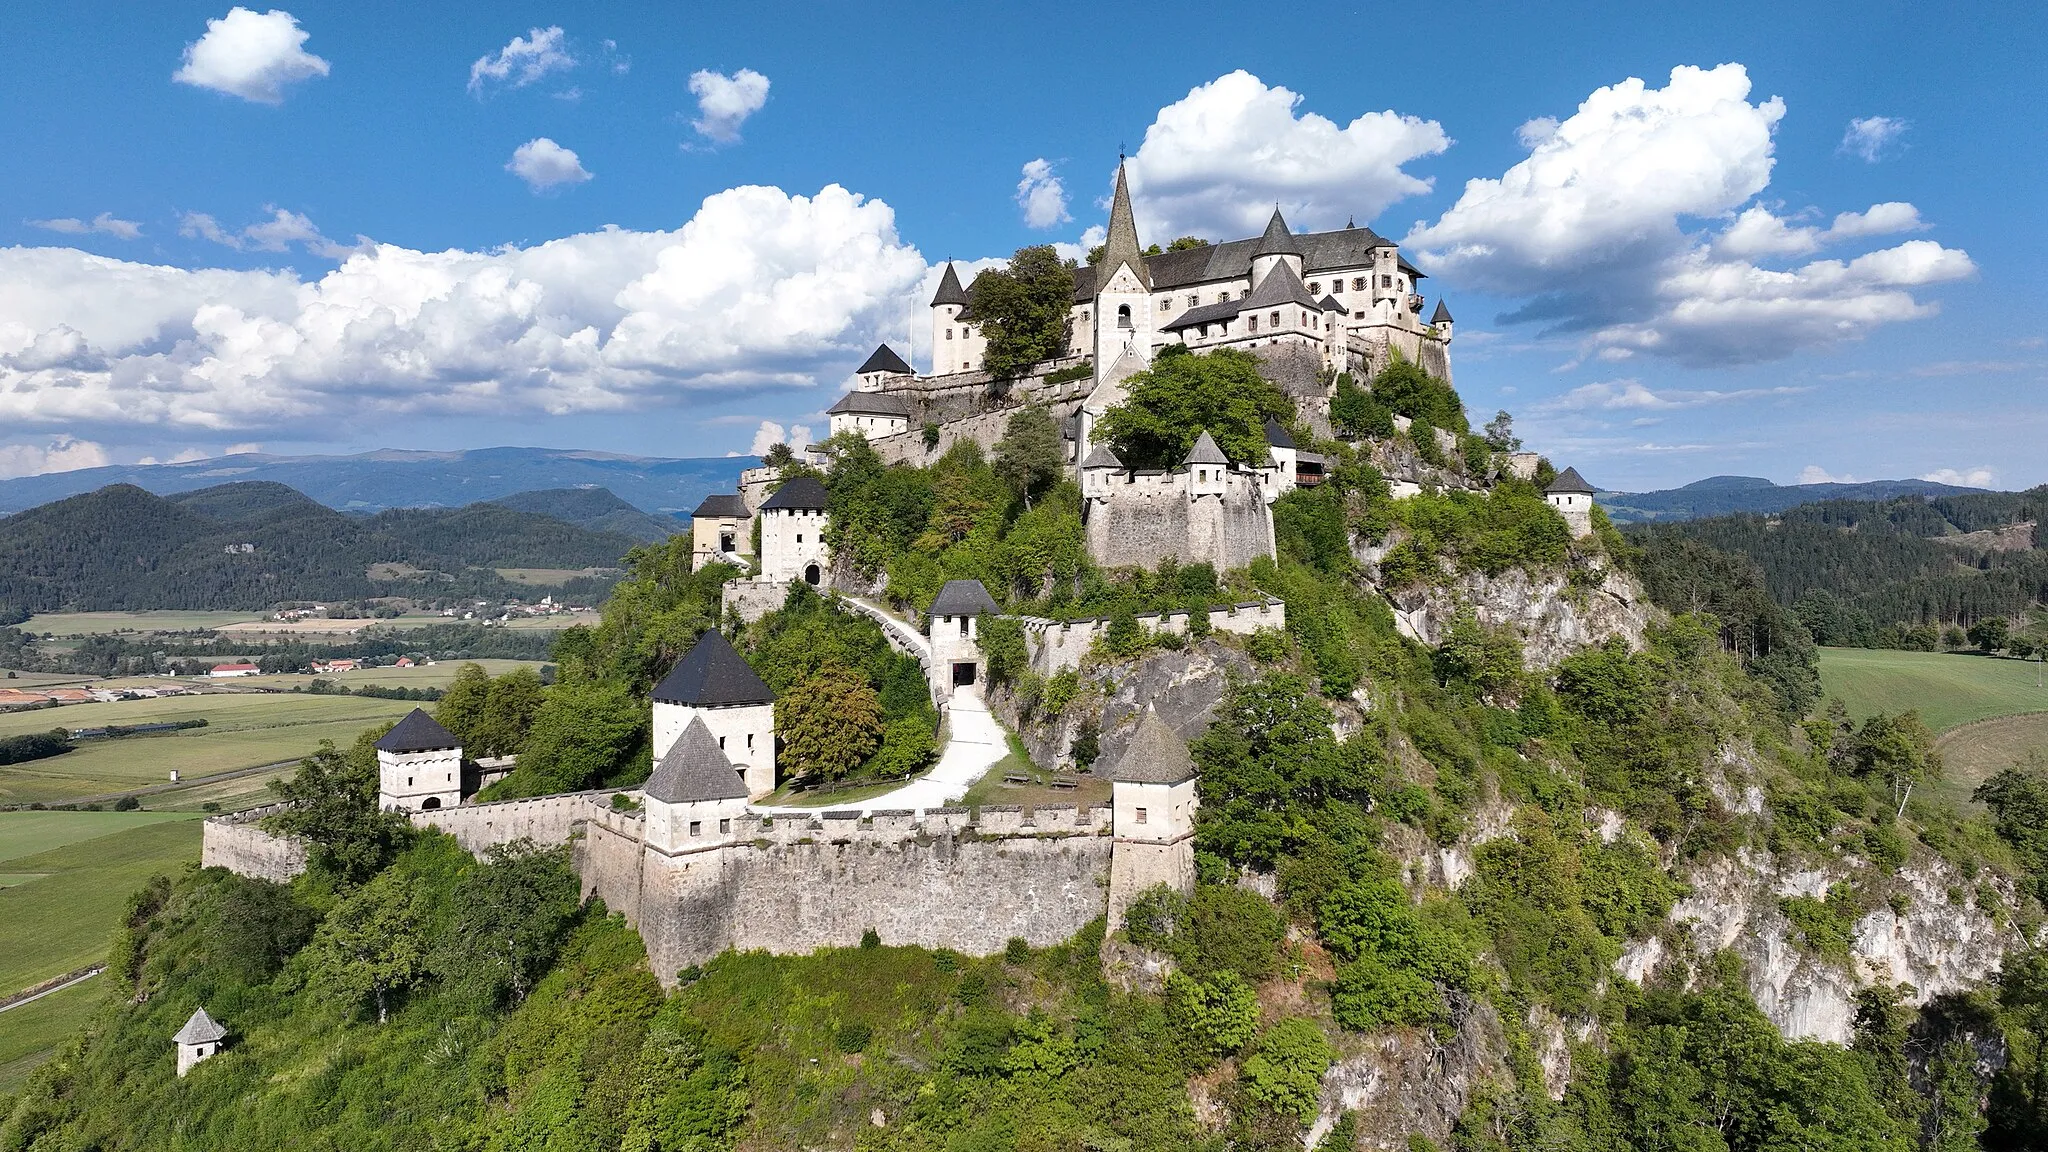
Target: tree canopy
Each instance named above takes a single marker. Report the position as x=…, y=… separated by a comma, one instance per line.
x=1023, y=309
x=1170, y=404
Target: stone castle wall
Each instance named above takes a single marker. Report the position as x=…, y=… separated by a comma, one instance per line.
x=545, y=820
x=234, y=841
x=1148, y=518
x=1055, y=646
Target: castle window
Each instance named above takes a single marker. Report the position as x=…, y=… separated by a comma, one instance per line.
x=1123, y=315
x=1166, y=303
x=1358, y=283
x=750, y=741
x=1386, y=281
x=1193, y=300
x=1337, y=286
x=1315, y=286
x=1276, y=320
x=799, y=537
x=696, y=827
x=721, y=743
x=724, y=826
x=949, y=333
x=1141, y=815
x=1251, y=323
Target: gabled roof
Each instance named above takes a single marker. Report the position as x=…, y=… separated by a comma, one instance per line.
x=1332, y=304
x=799, y=494
x=1277, y=435
x=1206, y=451
x=1205, y=314
x=1569, y=480
x=1156, y=755
x=694, y=769
x=949, y=291
x=963, y=598
x=870, y=404
x=1344, y=248
x=712, y=674
x=1101, y=457
x=1281, y=286
x=1278, y=240
x=1413, y=272
x=1442, y=315
x=1121, y=246
x=418, y=732
x=885, y=359
x=200, y=1029
x=722, y=506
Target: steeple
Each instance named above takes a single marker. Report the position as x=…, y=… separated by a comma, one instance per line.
x=1122, y=246
x=949, y=291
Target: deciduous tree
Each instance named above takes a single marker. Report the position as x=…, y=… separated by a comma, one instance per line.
x=828, y=723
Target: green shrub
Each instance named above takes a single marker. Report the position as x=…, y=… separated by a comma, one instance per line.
x=1017, y=951
x=1285, y=1070
x=851, y=1038
x=870, y=939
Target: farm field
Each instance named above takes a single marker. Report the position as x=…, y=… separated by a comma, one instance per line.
x=63, y=920
x=1971, y=753
x=33, y=833
x=243, y=731
x=439, y=674
x=31, y=1033
x=548, y=577
x=101, y=623
x=1947, y=688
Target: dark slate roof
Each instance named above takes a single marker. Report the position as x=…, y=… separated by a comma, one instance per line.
x=695, y=769
x=712, y=674
x=1156, y=755
x=963, y=598
x=1281, y=286
x=1332, y=304
x=1345, y=248
x=1206, y=451
x=418, y=732
x=723, y=505
x=1442, y=315
x=801, y=494
x=949, y=291
x=1278, y=436
x=1101, y=457
x=1569, y=480
x=885, y=358
x=1277, y=241
x=1205, y=314
x=200, y=1029
x=1413, y=272
x=871, y=404
x=1121, y=245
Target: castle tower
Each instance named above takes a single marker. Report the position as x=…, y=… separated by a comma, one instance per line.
x=1573, y=499
x=695, y=799
x=714, y=686
x=1098, y=473
x=1208, y=468
x=951, y=623
x=1276, y=247
x=793, y=524
x=419, y=766
x=884, y=363
x=1441, y=320
x=1152, y=816
x=949, y=333
x=720, y=526
x=198, y=1040
x=1123, y=288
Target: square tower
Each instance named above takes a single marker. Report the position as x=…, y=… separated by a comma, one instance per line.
x=793, y=525
x=1573, y=499
x=198, y=1040
x=1153, y=798
x=951, y=623
x=419, y=766
x=695, y=799
x=713, y=685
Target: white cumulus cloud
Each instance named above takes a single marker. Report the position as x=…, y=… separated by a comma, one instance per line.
x=525, y=60
x=1815, y=474
x=546, y=165
x=105, y=222
x=1215, y=162
x=759, y=289
x=1608, y=230
x=1041, y=195
x=251, y=55
x=1632, y=393
x=724, y=102
x=769, y=434
x=59, y=454
x=1979, y=477
x=277, y=234
x=1872, y=136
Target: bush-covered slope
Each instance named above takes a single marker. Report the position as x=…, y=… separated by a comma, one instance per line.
x=596, y=509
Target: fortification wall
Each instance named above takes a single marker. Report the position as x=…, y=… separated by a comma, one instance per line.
x=1057, y=645
x=236, y=843
x=545, y=820
x=752, y=599
x=1148, y=518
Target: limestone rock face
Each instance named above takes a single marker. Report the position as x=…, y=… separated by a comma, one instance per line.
x=1553, y=618
x=1183, y=687
x=1405, y=1081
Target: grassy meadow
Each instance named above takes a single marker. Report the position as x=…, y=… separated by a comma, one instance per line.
x=1986, y=712
x=30, y=1034
x=104, y=623
x=62, y=919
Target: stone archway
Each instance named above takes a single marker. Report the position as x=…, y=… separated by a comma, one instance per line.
x=431, y=803
x=812, y=575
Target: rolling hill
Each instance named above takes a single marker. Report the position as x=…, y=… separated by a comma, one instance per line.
x=1723, y=495
x=253, y=544
x=597, y=509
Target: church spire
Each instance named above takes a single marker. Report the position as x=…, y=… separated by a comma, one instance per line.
x=1122, y=246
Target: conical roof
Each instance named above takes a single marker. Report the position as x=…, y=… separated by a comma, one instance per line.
x=1101, y=457
x=712, y=675
x=1206, y=451
x=1277, y=435
x=885, y=358
x=695, y=769
x=949, y=291
x=1278, y=239
x=200, y=1029
x=1568, y=481
x=1281, y=286
x=418, y=732
x=1442, y=315
x=1156, y=755
x=1121, y=246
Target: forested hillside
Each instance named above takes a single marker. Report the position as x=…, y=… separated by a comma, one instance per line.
x=250, y=545
x=596, y=509
x=1727, y=495
x=1491, y=855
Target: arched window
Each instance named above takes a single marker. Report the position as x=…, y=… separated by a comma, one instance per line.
x=1123, y=315
x=812, y=575
x=432, y=802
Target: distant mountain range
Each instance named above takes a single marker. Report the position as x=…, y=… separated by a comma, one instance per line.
x=1722, y=495
x=596, y=509
x=391, y=478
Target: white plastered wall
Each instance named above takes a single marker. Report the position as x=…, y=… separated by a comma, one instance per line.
x=745, y=733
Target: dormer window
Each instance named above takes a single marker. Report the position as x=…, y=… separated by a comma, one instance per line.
x=1193, y=300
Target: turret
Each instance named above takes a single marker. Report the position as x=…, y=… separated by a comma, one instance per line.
x=419, y=766
x=713, y=685
x=1441, y=320
x=1098, y=472
x=1207, y=467
x=949, y=333
x=1573, y=499
x=1153, y=797
x=884, y=363
x=695, y=800
x=198, y=1040
x=952, y=624
x=1276, y=246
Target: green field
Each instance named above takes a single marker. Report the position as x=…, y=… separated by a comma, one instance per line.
x=437, y=675
x=63, y=921
x=30, y=1033
x=1946, y=688
x=243, y=731
x=33, y=833
x=99, y=623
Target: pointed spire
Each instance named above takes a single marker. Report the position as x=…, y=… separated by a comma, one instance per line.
x=1122, y=246
x=1278, y=240
x=949, y=291
x=1442, y=315
x=1206, y=451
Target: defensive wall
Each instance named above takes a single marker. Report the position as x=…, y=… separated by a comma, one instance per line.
x=234, y=841
x=1055, y=646
x=1149, y=517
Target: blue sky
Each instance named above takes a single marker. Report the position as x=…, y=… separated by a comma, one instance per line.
x=673, y=229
